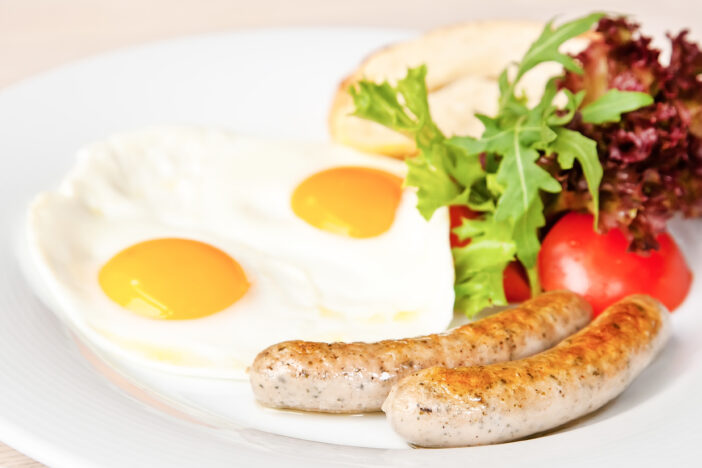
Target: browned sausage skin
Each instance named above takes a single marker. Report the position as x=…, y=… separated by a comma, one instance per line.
x=477, y=405
x=357, y=377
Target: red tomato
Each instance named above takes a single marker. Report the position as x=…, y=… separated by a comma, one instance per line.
x=514, y=278
x=515, y=282
x=573, y=256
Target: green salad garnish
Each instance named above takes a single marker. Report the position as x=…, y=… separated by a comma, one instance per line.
x=497, y=174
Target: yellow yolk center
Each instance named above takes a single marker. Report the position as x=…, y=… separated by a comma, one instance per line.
x=354, y=201
x=173, y=279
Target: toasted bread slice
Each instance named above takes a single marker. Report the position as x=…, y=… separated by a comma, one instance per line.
x=463, y=64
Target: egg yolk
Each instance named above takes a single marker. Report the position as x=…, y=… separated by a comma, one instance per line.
x=174, y=279
x=354, y=201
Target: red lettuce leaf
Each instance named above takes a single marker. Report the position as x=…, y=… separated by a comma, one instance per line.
x=652, y=158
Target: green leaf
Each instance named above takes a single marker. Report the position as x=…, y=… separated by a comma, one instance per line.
x=545, y=48
x=574, y=101
x=480, y=205
x=545, y=106
x=571, y=145
x=477, y=227
x=611, y=105
x=468, y=144
x=482, y=290
x=481, y=198
x=490, y=247
x=493, y=185
x=526, y=239
x=465, y=166
x=379, y=103
x=443, y=175
x=403, y=108
x=435, y=187
x=503, y=82
x=437, y=172
x=496, y=139
x=480, y=264
x=413, y=89
x=526, y=233
x=522, y=179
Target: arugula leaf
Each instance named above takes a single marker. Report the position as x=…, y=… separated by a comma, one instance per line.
x=573, y=104
x=545, y=107
x=525, y=234
x=522, y=179
x=611, y=105
x=545, y=49
x=571, y=145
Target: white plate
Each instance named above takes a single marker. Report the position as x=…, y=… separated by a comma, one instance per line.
x=62, y=405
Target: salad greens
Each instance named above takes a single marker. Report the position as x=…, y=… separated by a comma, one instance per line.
x=497, y=174
x=610, y=106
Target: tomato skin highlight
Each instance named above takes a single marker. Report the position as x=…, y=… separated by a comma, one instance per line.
x=598, y=266
x=514, y=278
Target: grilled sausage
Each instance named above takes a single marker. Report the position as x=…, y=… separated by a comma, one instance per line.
x=357, y=377
x=478, y=405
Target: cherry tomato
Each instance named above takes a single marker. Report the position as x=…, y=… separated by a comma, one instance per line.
x=515, y=282
x=514, y=278
x=598, y=266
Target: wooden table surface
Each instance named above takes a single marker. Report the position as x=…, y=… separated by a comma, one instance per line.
x=36, y=35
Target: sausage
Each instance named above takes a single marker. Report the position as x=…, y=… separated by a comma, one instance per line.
x=478, y=405
x=357, y=377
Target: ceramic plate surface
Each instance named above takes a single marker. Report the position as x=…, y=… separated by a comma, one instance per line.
x=67, y=406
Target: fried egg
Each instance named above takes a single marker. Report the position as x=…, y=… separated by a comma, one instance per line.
x=191, y=249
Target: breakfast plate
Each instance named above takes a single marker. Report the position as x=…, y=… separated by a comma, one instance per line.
x=67, y=404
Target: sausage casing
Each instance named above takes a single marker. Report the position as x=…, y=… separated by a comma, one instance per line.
x=357, y=377
x=440, y=407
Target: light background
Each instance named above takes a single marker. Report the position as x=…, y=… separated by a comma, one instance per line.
x=36, y=35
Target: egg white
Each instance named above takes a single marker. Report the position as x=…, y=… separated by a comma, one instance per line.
x=234, y=193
